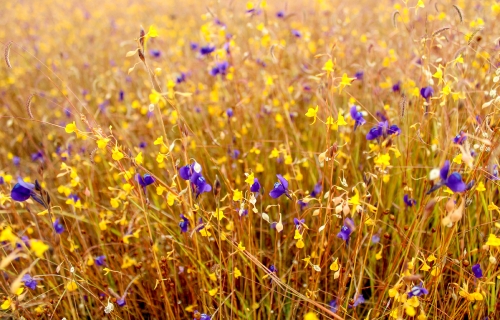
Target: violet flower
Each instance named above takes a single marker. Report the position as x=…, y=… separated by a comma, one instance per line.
x=22, y=191
x=408, y=201
x=357, y=116
x=280, y=188
x=29, y=281
x=452, y=181
x=100, y=260
x=207, y=49
x=476, y=269
x=184, y=224
x=58, y=226
x=346, y=230
x=417, y=291
x=255, y=187
x=426, y=92
x=460, y=138
x=382, y=130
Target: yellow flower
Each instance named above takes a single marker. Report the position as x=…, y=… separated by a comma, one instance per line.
x=236, y=273
x=102, y=143
x=6, y=304
x=335, y=265
x=312, y=113
x=218, y=214
x=117, y=155
x=160, y=189
x=170, y=199
x=90, y=261
x=38, y=247
x=345, y=81
x=493, y=240
x=328, y=66
x=238, y=195
x=480, y=187
x=310, y=316
x=213, y=292
x=70, y=127
x=8, y=235
x=158, y=141
x=250, y=179
x=128, y=262
x=71, y=286
x=139, y=159
x=382, y=160
x=241, y=247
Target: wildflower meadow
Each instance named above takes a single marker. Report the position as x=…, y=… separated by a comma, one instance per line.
x=250, y=160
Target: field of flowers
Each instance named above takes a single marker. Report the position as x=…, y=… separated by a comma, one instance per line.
x=262, y=160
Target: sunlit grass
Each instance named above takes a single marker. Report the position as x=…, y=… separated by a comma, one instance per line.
x=232, y=160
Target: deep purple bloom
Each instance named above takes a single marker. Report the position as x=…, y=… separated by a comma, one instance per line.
x=186, y=172
x=296, y=33
x=359, y=75
x=199, y=184
x=121, y=302
x=37, y=156
x=302, y=204
x=155, y=53
x=280, y=14
x=184, y=224
x=333, y=306
x=408, y=201
x=460, y=138
x=181, y=78
x=417, y=291
x=100, y=260
x=16, y=160
x=207, y=49
x=273, y=269
x=205, y=316
x=357, y=116
x=280, y=188
x=219, y=68
x=454, y=180
x=476, y=269
x=316, y=190
x=144, y=181
x=58, y=226
x=426, y=92
x=494, y=173
x=142, y=145
x=193, y=45
x=2, y=181
x=255, y=187
x=359, y=300
x=121, y=95
x=298, y=222
x=396, y=87
x=29, y=281
x=229, y=113
x=382, y=130
x=235, y=154
x=346, y=230
x=22, y=191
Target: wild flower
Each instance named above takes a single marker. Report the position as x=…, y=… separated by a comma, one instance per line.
x=452, y=181
x=280, y=188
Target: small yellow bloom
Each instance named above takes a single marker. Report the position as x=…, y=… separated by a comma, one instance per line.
x=71, y=286
x=236, y=273
x=480, y=187
x=6, y=304
x=117, y=155
x=139, y=159
x=70, y=127
x=328, y=66
x=241, y=247
x=38, y=247
x=213, y=292
x=238, y=195
x=312, y=113
x=345, y=81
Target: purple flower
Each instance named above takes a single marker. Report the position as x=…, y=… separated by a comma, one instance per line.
x=37, y=156
x=199, y=184
x=426, y=92
x=376, y=238
x=100, y=260
x=359, y=75
x=205, y=316
x=181, y=78
x=219, y=68
x=144, y=181
x=359, y=300
x=229, y=113
x=396, y=87
x=155, y=53
x=121, y=95
x=280, y=188
x=207, y=49
x=298, y=222
x=357, y=116
x=346, y=230
x=494, y=173
x=58, y=227
x=460, y=138
x=476, y=269
x=273, y=269
x=417, y=291
x=121, y=302
x=193, y=45
x=296, y=33
x=382, y=130
x=255, y=187
x=316, y=190
x=29, y=281
x=333, y=306
x=184, y=224
x=22, y=191
x=280, y=14
x=302, y=204
x=408, y=201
